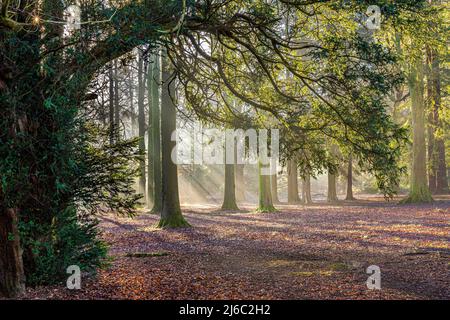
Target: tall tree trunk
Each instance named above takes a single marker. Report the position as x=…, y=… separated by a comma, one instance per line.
x=332, y=194
x=419, y=191
x=265, y=195
x=350, y=179
x=293, y=197
x=111, y=105
x=132, y=105
x=240, y=184
x=274, y=187
x=306, y=190
x=116, y=102
x=150, y=180
x=156, y=134
x=442, y=176
x=438, y=182
x=229, y=199
x=141, y=120
x=431, y=129
x=239, y=169
x=171, y=216
x=12, y=276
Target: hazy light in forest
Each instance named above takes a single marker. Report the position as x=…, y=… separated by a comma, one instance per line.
x=216, y=147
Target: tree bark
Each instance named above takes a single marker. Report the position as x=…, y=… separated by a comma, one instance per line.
x=306, y=190
x=111, y=104
x=332, y=194
x=156, y=135
x=265, y=195
x=442, y=176
x=349, y=196
x=171, y=216
x=293, y=197
x=419, y=191
x=150, y=180
x=116, y=102
x=431, y=130
x=240, y=184
x=141, y=121
x=132, y=105
x=437, y=171
x=274, y=188
x=229, y=199
x=12, y=276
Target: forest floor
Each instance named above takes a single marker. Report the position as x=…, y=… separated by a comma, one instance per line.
x=315, y=252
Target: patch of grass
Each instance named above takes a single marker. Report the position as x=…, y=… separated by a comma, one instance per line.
x=339, y=266
x=325, y=273
x=146, y=254
x=281, y=263
x=302, y=273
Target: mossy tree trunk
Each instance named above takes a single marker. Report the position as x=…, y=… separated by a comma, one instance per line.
x=156, y=134
x=171, y=216
x=419, y=191
x=293, y=197
x=229, y=199
x=265, y=195
x=12, y=276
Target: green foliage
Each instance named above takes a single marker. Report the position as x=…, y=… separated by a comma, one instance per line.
x=71, y=239
x=104, y=174
x=55, y=167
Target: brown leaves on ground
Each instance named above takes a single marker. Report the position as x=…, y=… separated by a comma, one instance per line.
x=318, y=252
